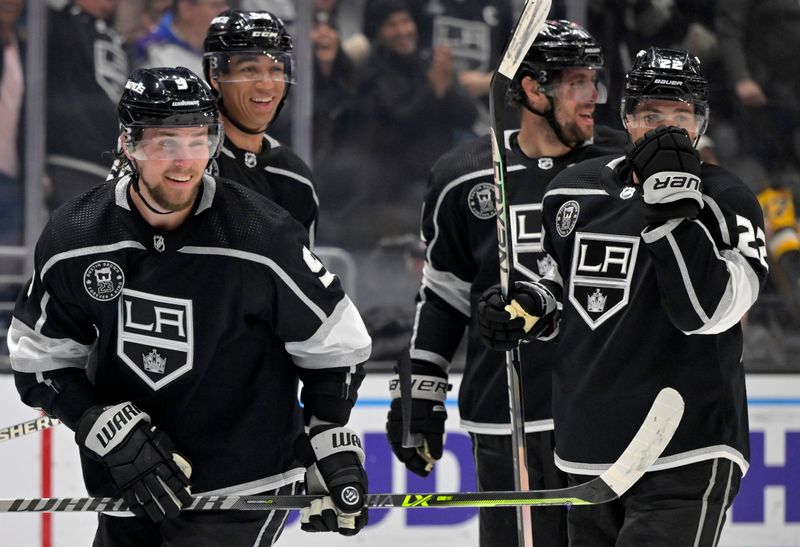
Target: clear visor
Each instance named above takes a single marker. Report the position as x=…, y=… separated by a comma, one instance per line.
x=175, y=143
x=251, y=66
x=651, y=112
x=581, y=85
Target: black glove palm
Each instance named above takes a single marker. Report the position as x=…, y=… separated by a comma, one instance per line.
x=501, y=329
x=668, y=167
x=139, y=459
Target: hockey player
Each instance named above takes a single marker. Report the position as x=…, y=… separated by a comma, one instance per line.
x=169, y=318
x=655, y=258
x=248, y=63
x=555, y=91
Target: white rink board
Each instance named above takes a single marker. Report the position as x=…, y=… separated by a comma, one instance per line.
x=763, y=515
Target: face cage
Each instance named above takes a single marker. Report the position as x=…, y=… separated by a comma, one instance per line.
x=629, y=106
x=227, y=66
x=578, y=93
x=175, y=145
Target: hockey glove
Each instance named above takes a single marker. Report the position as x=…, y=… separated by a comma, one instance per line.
x=503, y=326
x=429, y=389
x=668, y=167
x=335, y=467
x=151, y=478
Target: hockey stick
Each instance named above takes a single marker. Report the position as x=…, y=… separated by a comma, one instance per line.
x=528, y=25
x=31, y=426
x=646, y=446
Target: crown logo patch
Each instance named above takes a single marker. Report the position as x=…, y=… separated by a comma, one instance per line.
x=153, y=362
x=596, y=302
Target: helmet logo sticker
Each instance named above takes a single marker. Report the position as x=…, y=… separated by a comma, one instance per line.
x=545, y=163
x=137, y=87
x=481, y=200
x=158, y=243
x=249, y=159
x=103, y=280
x=567, y=217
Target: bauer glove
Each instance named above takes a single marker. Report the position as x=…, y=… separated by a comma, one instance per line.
x=334, y=467
x=668, y=167
x=429, y=389
x=503, y=326
x=151, y=477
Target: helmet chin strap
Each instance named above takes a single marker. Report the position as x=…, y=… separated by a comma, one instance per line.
x=550, y=116
x=137, y=189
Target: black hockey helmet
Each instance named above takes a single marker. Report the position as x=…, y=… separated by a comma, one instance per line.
x=559, y=45
x=167, y=97
x=234, y=33
x=666, y=74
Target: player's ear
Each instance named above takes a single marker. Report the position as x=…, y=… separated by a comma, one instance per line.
x=123, y=147
x=534, y=92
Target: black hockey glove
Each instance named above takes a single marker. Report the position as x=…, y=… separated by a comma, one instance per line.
x=335, y=467
x=503, y=326
x=668, y=167
x=429, y=389
x=151, y=478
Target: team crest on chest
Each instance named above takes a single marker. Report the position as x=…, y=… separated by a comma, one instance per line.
x=567, y=217
x=103, y=280
x=155, y=336
x=545, y=163
x=526, y=231
x=249, y=159
x=481, y=200
x=600, y=280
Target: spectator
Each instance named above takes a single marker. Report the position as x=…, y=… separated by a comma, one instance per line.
x=12, y=89
x=476, y=32
x=84, y=82
x=759, y=41
x=178, y=40
x=408, y=110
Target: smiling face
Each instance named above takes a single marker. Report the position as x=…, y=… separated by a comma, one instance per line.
x=398, y=33
x=252, y=87
x=171, y=162
x=576, y=95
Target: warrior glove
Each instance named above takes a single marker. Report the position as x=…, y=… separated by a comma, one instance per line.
x=668, y=167
x=140, y=460
x=334, y=467
x=503, y=326
x=429, y=389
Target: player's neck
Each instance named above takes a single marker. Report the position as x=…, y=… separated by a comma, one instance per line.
x=537, y=139
x=240, y=139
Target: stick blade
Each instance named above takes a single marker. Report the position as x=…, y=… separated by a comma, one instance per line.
x=649, y=442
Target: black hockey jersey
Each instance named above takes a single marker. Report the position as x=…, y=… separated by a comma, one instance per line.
x=646, y=308
x=207, y=328
x=87, y=68
x=277, y=173
x=459, y=227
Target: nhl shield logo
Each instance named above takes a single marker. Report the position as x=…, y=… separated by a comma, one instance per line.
x=103, y=280
x=158, y=243
x=481, y=200
x=545, y=163
x=249, y=159
x=628, y=192
x=155, y=336
x=567, y=217
x=602, y=269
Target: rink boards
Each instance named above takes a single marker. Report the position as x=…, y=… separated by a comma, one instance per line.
x=765, y=514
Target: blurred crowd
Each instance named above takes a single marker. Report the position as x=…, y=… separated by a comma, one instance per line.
x=396, y=83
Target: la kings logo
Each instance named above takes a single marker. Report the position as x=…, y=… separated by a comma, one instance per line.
x=526, y=227
x=602, y=269
x=155, y=336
